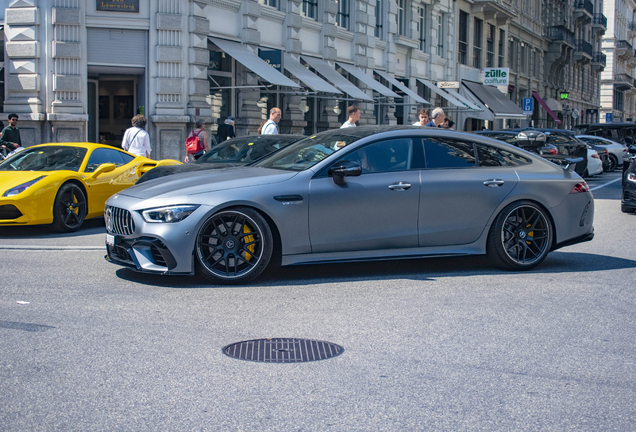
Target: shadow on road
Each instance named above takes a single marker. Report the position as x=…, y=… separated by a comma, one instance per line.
x=412, y=269
x=91, y=226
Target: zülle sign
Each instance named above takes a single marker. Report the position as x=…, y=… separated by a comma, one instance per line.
x=118, y=5
x=496, y=76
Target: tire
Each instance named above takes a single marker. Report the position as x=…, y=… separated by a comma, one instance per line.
x=234, y=246
x=69, y=208
x=586, y=174
x=626, y=209
x=613, y=163
x=520, y=237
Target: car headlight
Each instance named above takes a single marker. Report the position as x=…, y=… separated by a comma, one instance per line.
x=169, y=214
x=21, y=188
x=631, y=177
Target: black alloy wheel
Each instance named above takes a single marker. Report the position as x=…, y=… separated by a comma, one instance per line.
x=612, y=162
x=234, y=246
x=521, y=236
x=70, y=208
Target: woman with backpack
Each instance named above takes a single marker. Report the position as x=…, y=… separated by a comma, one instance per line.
x=203, y=145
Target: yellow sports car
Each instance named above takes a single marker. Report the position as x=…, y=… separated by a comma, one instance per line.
x=64, y=184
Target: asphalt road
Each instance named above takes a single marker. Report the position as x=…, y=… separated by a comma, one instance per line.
x=439, y=344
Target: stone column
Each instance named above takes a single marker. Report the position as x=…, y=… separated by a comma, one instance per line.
x=23, y=80
x=327, y=118
x=293, y=120
x=363, y=41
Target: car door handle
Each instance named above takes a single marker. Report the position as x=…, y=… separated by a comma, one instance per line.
x=401, y=186
x=494, y=183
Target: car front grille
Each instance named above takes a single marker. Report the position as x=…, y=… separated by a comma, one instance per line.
x=629, y=195
x=119, y=221
x=9, y=211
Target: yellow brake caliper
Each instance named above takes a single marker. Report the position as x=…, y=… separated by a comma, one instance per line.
x=248, y=239
x=530, y=234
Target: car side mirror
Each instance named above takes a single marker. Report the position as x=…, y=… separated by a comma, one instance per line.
x=103, y=168
x=632, y=150
x=344, y=169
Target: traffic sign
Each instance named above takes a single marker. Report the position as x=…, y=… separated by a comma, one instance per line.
x=575, y=113
x=528, y=106
x=608, y=117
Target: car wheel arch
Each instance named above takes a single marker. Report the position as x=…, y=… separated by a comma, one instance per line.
x=78, y=183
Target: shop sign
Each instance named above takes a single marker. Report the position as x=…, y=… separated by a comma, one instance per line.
x=448, y=84
x=118, y=5
x=564, y=95
x=274, y=58
x=496, y=76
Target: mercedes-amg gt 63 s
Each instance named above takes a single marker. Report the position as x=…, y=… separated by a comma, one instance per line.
x=364, y=193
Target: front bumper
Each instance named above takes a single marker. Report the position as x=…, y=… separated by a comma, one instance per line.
x=144, y=254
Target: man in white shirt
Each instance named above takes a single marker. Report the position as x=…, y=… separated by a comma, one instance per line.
x=136, y=140
x=354, y=115
x=271, y=126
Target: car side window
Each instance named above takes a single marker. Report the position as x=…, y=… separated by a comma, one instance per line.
x=448, y=153
x=488, y=156
x=126, y=157
x=102, y=156
x=383, y=156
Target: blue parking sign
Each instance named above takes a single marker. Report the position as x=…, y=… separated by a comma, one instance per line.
x=528, y=106
x=608, y=117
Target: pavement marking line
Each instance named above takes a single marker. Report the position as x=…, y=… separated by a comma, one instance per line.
x=65, y=248
x=608, y=183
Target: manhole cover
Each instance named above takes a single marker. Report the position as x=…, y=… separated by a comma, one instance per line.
x=283, y=350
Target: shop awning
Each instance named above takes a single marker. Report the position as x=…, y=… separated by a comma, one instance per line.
x=247, y=58
x=554, y=104
x=323, y=68
x=410, y=93
x=442, y=93
x=470, y=104
x=368, y=81
x=546, y=107
x=495, y=101
x=312, y=80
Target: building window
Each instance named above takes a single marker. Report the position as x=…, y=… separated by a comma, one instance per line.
x=440, y=35
x=463, y=37
x=536, y=64
x=502, y=47
x=400, y=17
x=421, y=27
x=272, y=3
x=378, y=19
x=342, y=18
x=490, y=46
x=221, y=81
x=310, y=9
x=511, y=52
x=478, y=31
x=522, y=54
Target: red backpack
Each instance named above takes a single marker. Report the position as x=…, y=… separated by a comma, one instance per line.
x=193, y=143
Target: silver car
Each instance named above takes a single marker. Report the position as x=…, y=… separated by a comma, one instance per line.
x=365, y=193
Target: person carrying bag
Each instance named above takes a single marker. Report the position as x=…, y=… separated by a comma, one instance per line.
x=197, y=143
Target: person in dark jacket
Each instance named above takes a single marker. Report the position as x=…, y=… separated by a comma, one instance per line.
x=10, y=139
x=226, y=130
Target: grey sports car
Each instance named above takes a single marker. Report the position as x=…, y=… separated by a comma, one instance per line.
x=365, y=193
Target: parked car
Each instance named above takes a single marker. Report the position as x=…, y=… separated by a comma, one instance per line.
x=64, y=184
x=628, y=199
x=623, y=133
x=565, y=142
x=594, y=162
x=364, y=193
x=616, y=151
x=236, y=151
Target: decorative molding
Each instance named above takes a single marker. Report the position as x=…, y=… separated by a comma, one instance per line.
x=232, y=5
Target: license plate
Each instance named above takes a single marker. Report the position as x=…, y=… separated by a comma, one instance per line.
x=110, y=240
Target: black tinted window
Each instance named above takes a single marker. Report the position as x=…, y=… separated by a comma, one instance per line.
x=102, y=156
x=383, y=156
x=557, y=138
x=443, y=153
x=492, y=157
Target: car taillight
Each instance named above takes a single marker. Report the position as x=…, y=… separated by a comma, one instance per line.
x=595, y=155
x=580, y=188
x=554, y=151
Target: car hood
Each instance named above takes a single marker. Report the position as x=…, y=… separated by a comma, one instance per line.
x=209, y=180
x=163, y=171
x=11, y=179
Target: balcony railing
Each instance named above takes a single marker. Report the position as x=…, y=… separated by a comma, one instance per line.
x=600, y=19
x=624, y=45
x=584, y=47
x=631, y=25
x=600, y=58
x=623, y=81
x=560, y=33
x=585, y=4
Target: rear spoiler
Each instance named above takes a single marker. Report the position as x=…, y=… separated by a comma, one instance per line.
x=570, y=163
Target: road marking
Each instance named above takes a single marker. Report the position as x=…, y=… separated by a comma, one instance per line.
x=37, y=247
x=608, y=183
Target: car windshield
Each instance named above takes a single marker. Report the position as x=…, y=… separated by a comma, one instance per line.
x=307, y=152
x=46, y=158
x=245, y=149
x=560, y=138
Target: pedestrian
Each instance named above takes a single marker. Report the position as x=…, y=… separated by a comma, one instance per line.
x=271, y=126
x=260, y=128
x=354, y=115
x=226, y=130
x=448, y=123
x=424, y=118
x=199, y=131
x=517, y=126
x=10, y=139
x=136, y=139
x=437, y=117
